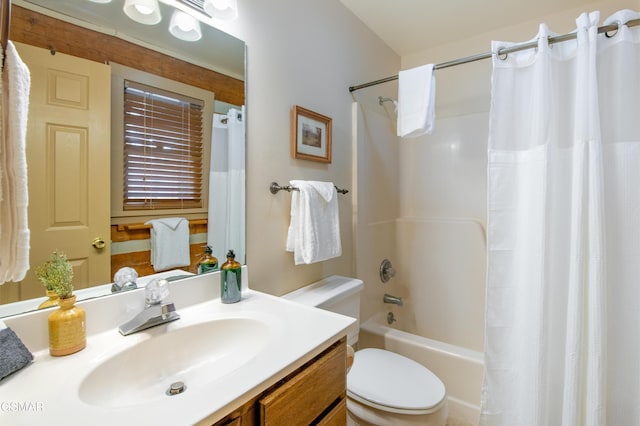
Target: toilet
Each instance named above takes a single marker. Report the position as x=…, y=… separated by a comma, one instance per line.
x=383, y=388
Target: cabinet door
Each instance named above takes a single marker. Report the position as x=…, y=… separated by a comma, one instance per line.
x=310, y=393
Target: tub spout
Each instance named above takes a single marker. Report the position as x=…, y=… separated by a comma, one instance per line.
x=392, y=299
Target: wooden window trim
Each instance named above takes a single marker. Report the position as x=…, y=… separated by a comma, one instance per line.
x=120, y=74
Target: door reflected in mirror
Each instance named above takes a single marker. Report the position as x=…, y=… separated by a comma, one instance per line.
x=215, y=64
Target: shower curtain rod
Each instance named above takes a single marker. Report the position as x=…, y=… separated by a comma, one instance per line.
x=503, y=51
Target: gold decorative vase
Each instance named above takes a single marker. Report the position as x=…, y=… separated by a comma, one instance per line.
x=67, y=328
x=51, y=301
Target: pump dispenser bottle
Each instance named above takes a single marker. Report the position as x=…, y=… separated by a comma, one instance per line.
x=230, y=279
x=208, y=262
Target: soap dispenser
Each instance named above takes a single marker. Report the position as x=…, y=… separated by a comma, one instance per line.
x=230, y=280
x=208, y=262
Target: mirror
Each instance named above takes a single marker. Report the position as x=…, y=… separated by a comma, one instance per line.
x=216, y=51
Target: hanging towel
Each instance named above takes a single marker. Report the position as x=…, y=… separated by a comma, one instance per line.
x=14, y=196
x=169, y=243
x=314, y=231
x=416, y=101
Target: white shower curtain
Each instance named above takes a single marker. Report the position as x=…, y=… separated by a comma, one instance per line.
x=226, y=228
x=562, y=338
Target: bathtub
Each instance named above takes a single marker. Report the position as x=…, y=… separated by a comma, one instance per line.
x=460, y=369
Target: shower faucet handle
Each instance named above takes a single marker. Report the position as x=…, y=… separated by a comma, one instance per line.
x=386, y=271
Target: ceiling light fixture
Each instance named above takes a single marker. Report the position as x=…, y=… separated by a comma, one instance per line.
x=100, y=1
x=143, y=11
x=184, y=26
x=221, y=9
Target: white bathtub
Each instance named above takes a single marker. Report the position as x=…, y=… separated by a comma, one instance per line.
x=459, y=368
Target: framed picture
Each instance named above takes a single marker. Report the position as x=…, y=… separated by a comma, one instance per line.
x=311, y=135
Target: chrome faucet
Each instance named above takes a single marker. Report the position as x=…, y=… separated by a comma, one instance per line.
x=392, y=299
x=155, y=312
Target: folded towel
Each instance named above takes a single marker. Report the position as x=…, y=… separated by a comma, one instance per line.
x=314, y=231
x=13, y=353
x=169, y=243
x=416, y=101
x=14, y=196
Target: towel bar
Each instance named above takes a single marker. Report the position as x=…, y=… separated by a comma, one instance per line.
x=139, y=226
x=275, y=188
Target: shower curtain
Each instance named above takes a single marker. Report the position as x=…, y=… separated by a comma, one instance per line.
x=226, y=228
x=562, y=338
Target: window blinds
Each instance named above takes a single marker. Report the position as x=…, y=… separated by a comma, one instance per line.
x=162, y=149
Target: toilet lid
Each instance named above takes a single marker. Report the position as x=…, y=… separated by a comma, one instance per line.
x=392, y=382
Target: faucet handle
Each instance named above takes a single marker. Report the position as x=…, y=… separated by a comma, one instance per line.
x=156, y=291
x=124, y=279
x=168, y=310
x=386, y=271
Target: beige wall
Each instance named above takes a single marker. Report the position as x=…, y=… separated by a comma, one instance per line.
x=303, y=53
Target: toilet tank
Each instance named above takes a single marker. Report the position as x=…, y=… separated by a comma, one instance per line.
x=335, y=294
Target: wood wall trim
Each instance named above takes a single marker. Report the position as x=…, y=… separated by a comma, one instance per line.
x=43, y=31
x=121, y=233
x=5, y=22
x=138, y=226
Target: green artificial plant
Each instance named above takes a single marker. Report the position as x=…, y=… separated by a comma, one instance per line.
x=57, y=275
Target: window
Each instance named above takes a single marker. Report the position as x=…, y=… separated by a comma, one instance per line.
x=163, y=149
x=148, y=100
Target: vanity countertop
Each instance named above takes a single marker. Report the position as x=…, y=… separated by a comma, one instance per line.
x=50, y=390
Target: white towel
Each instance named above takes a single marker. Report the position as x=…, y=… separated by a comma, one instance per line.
x=416, y=101
x=14, y=195
x=169, y=243
x=314, y=231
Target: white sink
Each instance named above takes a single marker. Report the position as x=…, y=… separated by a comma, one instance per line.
x=226, y=354
x=196, y=355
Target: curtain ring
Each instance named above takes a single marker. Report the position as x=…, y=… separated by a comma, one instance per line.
x=610, y=34
x=501, y=54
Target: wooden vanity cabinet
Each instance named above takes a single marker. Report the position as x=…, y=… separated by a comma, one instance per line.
x=314, y=394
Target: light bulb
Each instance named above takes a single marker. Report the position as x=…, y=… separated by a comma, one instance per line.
x=184, y=26
x=221, y=9
x=221, y=4
x=143, y=11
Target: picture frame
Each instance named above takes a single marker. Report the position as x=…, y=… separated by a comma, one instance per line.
x=310, y=135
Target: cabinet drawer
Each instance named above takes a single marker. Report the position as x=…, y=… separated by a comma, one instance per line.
x=310, y=392
x=235, y=422
x=337, y=416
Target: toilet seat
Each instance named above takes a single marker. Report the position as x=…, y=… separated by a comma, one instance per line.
x=391, y=382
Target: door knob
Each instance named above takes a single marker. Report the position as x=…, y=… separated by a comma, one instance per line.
x=98, y=243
